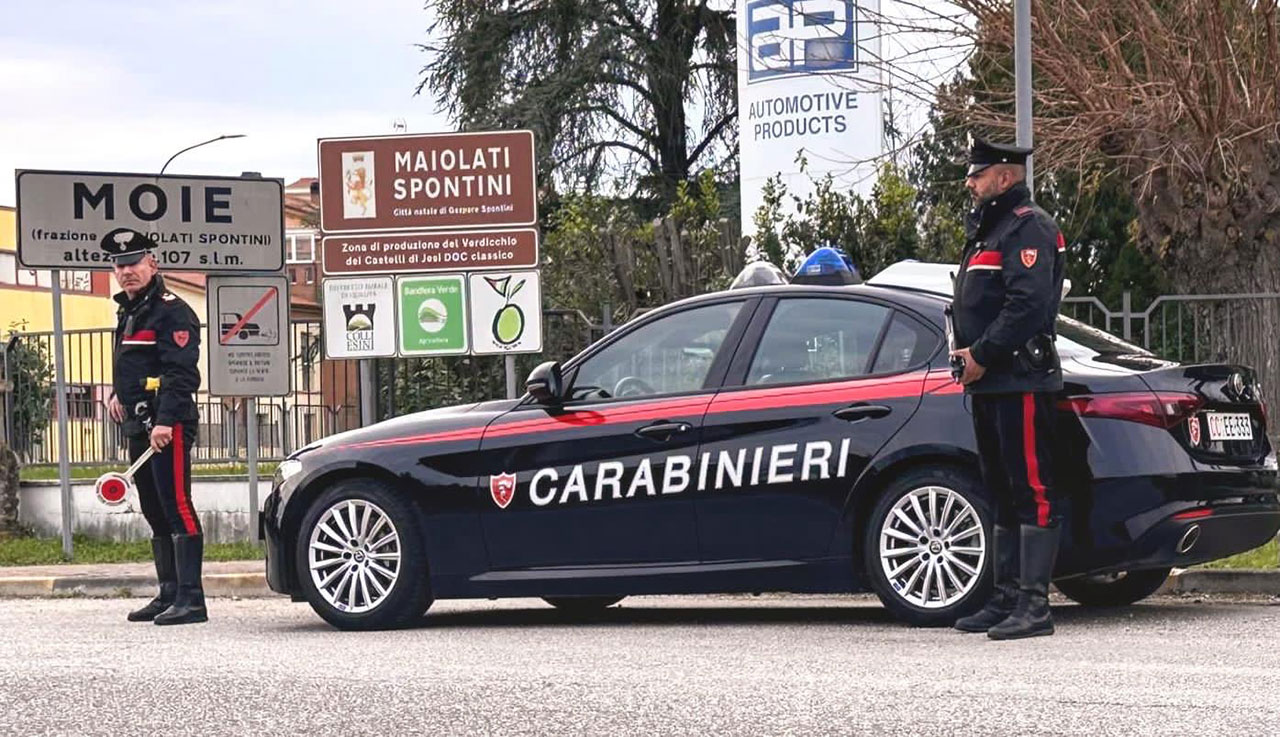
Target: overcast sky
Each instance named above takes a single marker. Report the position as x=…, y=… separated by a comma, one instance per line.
x=120, y=85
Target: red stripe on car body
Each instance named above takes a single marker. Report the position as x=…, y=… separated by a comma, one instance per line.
x=738, y=400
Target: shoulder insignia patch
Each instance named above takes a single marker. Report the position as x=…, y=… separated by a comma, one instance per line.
x=1023, y=211
x=1029, y=256
x=168, y=296
x=181, y=337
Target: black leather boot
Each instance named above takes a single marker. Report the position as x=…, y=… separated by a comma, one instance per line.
x=1004, y=595
x=166, y=574
x=188, y=607
x=1031, y=616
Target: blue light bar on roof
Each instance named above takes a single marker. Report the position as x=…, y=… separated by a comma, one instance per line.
x=827, y=266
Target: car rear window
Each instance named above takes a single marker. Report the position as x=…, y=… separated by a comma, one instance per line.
x=908, y=343
x=816, y=339
x=1083, y=338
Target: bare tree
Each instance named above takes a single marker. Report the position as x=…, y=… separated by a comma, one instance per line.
x=1183, y=98
x=642, y=91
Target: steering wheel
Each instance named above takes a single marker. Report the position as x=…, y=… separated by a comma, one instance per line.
x=632, y=386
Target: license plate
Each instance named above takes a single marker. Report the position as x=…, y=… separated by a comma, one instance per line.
x=1229, y=426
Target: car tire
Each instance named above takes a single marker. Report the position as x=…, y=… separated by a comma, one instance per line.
x=1113, y=590
x=582, y=604
x=955, y=547
x=377, y=577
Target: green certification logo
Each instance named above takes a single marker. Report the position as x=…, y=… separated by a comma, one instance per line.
x=433, y=319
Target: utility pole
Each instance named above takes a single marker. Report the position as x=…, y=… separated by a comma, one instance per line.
x=1022, y=78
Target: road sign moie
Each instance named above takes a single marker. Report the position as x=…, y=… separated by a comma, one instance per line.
x=204, y=224
x=426, y=182
x=419, y=252
x=248, y=335
x=359, y=317
x=506, y=312
x=433, y=315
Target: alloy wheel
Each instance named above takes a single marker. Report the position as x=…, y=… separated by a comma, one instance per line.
x=932, y=547
x=355, y=555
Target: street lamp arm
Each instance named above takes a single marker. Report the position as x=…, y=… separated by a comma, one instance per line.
x=198, y=145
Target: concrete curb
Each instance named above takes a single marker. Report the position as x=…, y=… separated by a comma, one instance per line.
x=1223, y=581
x=254, y=585
x=242, y=585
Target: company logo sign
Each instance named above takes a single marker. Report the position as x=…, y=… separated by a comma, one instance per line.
x=789, y=37
x=359, y=326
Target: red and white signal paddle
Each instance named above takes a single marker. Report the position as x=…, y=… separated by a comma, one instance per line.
x=113, y=488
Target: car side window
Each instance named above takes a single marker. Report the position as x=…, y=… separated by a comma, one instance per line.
x=670, y=355
x=908, y=343
x=814, y=339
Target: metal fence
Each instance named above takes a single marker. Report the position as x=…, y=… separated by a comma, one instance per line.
x=1196, y=328
x=326, y=395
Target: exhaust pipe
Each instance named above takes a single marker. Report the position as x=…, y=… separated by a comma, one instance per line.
x=1188, y=540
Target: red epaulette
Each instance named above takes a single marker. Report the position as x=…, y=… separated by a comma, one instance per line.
x=1023, y=211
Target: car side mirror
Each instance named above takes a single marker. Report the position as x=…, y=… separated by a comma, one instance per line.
x=546, y=384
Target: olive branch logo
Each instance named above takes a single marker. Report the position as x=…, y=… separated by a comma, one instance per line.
x=508, y=323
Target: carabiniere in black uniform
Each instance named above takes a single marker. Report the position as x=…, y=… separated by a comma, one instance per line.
x=1006, y=301
x=157, y=355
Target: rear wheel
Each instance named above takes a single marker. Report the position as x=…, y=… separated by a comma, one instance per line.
x=582, y=604
x=1114, y=589
x=361, y=557
x=926, y=546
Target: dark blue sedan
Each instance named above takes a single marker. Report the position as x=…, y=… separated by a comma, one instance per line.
x=780, y=438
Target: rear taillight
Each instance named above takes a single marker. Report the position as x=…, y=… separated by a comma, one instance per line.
x=1159, y=409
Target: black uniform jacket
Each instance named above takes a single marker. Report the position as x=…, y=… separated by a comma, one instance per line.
x=1007, y=292
x=157, y=335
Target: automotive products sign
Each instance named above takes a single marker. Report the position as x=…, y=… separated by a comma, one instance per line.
x=808, y=86
x=433, y=315
x=424, y=182
x=800, y=37
x=203, y=224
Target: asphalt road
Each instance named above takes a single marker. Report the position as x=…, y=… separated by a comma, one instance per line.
x=656, y=665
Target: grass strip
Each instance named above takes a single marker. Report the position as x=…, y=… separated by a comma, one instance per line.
x=84, y=473
x=1266, y=556
x=40, y=551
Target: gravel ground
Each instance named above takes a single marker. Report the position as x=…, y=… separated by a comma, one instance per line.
x=654, y=665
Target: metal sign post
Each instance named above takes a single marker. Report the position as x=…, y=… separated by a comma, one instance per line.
x=251, y=457
x=64, y=449
x=511, y=376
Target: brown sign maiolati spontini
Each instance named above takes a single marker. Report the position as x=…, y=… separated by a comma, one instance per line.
x=424, y=182
x=389, y=253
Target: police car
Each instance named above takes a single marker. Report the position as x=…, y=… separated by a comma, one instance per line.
x=796, y=437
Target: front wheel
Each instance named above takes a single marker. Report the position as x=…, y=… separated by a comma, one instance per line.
x=1114, y=589
x=361, y=557
x=926, y=546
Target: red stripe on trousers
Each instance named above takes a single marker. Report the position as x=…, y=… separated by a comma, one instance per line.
x=1033, y=462
x=180, y=482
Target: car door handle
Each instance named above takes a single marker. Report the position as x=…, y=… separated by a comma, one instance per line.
x=859, y=412
x=663, y=430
